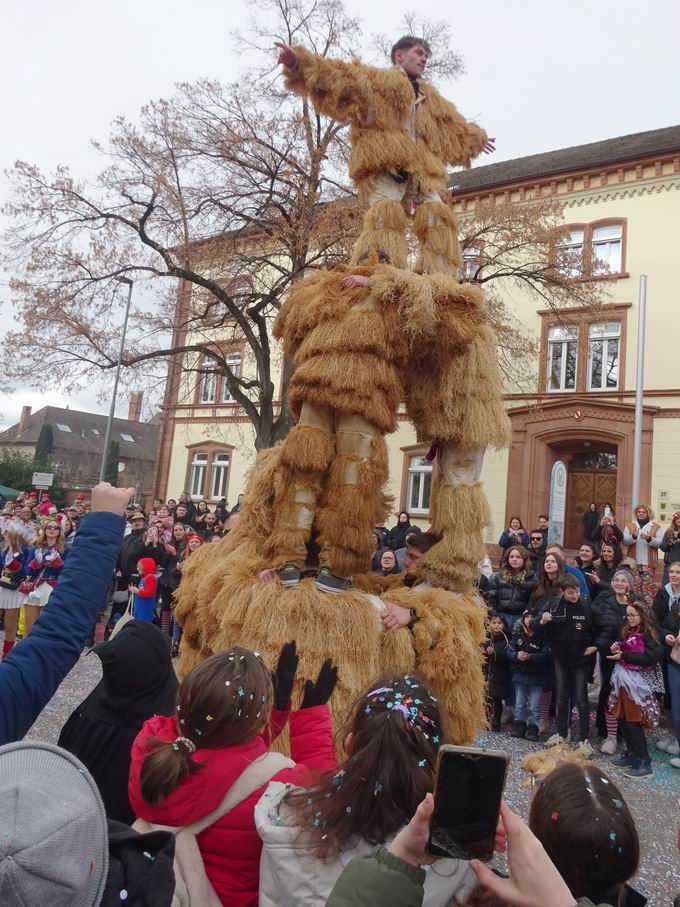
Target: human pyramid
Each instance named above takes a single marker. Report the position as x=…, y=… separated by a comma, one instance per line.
x=363, y=337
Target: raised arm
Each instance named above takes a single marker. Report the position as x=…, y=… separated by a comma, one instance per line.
x=337, y=89
x=32, y=672
x=461, y=140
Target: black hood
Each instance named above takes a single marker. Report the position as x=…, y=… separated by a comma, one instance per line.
x=140, y=865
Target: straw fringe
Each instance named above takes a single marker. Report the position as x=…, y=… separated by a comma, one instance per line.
x=384, y=230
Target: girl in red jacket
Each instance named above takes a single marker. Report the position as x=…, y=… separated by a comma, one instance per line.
x=182, y=767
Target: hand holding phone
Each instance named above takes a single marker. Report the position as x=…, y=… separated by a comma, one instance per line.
x=468, y=793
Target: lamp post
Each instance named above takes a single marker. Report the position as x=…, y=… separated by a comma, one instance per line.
x=639, y=390
x=112, y=409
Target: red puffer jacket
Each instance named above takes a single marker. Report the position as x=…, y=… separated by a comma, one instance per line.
x=231, y=847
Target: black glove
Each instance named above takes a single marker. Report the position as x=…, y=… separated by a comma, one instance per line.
x=320, y=692
x=284, y=676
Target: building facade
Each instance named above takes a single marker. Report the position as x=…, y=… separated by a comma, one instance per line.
x=621, y=203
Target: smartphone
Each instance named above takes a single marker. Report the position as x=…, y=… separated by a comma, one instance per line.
x=468, y=791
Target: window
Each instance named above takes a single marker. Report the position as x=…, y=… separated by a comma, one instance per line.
x=218, y=485
x=208, y=387
x=603, y=356
x=606, y=249
x=472, y=259
x=562, y=357
x=419, y=485
x=234, y=362
x=62, y=427
x=127, y=437
x=95, y=431
x=571, y=249
x=199, y=468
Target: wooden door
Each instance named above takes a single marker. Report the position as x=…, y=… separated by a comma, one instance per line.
x=584, y=486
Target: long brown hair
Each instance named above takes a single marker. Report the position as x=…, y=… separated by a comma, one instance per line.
x=508, y=575
x=396, y=729
x=224, y=701
x=648, y=623
x=545, y=584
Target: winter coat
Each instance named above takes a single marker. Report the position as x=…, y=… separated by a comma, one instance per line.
x=670, y=545
x=497, y=667
x=663, y=600
x=290, y=874
x=170, y=577
x=231, y=847
x=511, y=598
x=606, y=535
x=507, y=540
x=612, y=617
x=606, y=575
x=396, y=537
x=591, y=520
x=381, y=879
x=31, y=673
x=535, y=671
x=135, y=547
x=576, y=629
x=140, y=865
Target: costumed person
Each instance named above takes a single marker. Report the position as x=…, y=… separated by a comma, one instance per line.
x=144, y=593
x=644, y=537
x=309, y=835
x=44, y=568
x=403, y=135
x=138, y=682
x=186, y=766
x=496, y=668
x=632, y=700
x=14, y=557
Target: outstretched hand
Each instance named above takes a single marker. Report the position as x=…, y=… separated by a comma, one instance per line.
x=534, y=881
x=106, y=498
x=287, y=56
x=283, y=677
x=320, y=692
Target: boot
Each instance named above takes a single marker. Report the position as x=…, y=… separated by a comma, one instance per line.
x=7, y=647
x=519, y=729
x=532, y=732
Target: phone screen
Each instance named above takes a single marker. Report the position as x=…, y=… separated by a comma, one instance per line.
x=468, y=794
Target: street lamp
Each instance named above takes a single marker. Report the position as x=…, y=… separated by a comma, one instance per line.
x=112, y=409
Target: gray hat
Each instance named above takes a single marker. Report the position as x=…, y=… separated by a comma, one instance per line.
x=53, y=832
x=627, y=575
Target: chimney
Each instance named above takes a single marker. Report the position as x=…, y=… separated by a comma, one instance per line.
x=25, y=419
x=135, y=408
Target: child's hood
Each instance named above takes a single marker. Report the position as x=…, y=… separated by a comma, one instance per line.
x=147, y=564
x=201, y=792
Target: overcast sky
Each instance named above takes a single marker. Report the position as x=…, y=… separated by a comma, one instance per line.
x=539, y=76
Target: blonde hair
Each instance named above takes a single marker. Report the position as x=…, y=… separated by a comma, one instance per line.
x=42, y=536
x=650, y=512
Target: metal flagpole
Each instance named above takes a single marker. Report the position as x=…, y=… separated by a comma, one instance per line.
x=639, y=389
x=112, y=409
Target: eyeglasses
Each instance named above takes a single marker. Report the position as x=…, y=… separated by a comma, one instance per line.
x=536, y=538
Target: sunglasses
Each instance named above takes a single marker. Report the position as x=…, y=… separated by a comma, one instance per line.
x=536, y=538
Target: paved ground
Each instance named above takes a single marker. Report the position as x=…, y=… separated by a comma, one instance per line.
x=654, y=802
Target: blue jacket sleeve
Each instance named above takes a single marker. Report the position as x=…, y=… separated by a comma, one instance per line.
x=582, y=582
x=33, y=670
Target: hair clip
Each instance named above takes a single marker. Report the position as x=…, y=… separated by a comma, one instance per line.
x=185, y=742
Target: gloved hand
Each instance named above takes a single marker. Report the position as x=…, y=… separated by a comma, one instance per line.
x=320, y=692
x=283, y=677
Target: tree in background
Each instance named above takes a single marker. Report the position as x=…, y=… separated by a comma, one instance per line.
x=112, y=458
x=45, y=446
x=214, y=202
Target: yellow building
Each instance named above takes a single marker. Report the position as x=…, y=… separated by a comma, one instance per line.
x=622, y=206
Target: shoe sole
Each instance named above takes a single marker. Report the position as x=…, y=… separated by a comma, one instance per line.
x=289, y=582
x=323, y=588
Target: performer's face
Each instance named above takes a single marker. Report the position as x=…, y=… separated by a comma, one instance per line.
x=413, y=61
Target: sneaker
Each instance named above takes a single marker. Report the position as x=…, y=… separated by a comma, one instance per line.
x=624, y=760
x=584, y=748
x=329, y=582
x=508, y=715
x=641, y=768
x=532, y=732
x=674, y=762
x=519, y=729
x=555, y=740
x=289, y=575
x=608, y=746
x=663, y=742
x=673, y=749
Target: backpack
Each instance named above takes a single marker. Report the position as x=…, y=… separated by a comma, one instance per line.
x=192, y=885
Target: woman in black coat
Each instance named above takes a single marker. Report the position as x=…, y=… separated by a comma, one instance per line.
x=670, y=545
x=510, y=589
x=138, y=681
x=591, y=520
x=396, y=537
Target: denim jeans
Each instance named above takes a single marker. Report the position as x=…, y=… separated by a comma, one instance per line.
x=674, y=687
x=572, y=686
x=528, y=702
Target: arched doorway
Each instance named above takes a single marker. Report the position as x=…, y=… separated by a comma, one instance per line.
x=591, y=476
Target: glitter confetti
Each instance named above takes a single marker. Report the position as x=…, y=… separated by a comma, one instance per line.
x=618, y=804
x=208, y=717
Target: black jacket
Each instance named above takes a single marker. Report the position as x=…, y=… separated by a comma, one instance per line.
x=670, y=545
x=591, y=520
x=140, y=865
x=661, y=605
x=573, y=629
x=133, y=548
x=606, y=575
x=497, y=667
x=396, y=537
x=612, y=617
x=511, y=598
x=606, y=535
x=536, y=669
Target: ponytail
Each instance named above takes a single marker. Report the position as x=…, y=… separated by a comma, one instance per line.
x=164, y=768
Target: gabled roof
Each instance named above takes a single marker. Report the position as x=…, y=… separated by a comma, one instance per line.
x=636, y=146
x=87, y=433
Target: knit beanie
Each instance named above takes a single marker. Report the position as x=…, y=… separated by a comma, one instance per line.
x=626, y=575
x=53, y=836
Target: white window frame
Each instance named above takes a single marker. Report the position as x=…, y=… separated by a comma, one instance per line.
x=571, y=244
x=418, y=469
x=62, y=427
x=233, y=360
x=607, y=243
x=208, y=392
x=609, y=336
x=126, y=437
x=198, y=473
x=219, y=475
x=571, y=335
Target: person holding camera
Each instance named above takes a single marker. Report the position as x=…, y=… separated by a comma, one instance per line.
x=670, y=545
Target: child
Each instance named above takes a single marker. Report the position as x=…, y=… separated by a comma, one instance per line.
x=632, y=700
x=571, y=628
x=391, y=739
x=530, y=659
x=182, y=767
x=496, y=668
x=144, y=602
